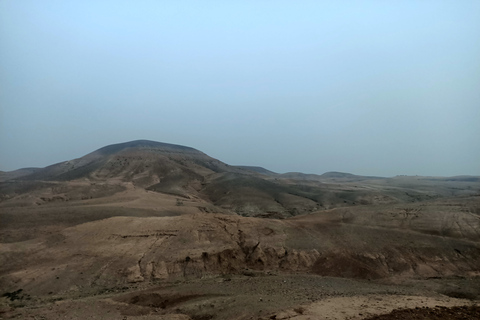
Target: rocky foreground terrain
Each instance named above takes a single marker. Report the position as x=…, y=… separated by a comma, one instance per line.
x=147, y=230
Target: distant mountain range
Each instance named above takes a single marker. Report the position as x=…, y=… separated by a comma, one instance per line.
x=340, y=176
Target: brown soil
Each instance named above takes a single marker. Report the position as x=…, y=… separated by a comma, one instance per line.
x=437, y=313
x=268, y=296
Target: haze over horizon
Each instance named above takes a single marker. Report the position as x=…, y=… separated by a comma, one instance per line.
x=368, y=88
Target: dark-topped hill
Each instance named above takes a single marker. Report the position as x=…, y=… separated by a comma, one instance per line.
x=147, y=145
x=189, y=173
x=143, y=162
x=157, y=166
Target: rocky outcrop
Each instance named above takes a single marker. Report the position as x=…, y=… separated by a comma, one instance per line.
x=126, y=250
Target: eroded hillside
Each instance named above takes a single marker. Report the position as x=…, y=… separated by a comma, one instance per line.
x=143, y=215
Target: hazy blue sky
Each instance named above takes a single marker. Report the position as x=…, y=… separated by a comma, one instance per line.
x=367, y=87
